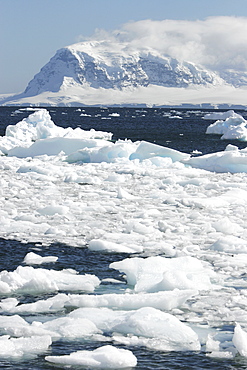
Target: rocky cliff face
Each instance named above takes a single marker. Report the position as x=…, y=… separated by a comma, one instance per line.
x=97, y=65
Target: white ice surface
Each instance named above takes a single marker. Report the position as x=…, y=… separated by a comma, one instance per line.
x=23, y=347
x=183, y=217
x=103, y=357
x=240, y=340
x=158, y=273
x=146, y=325
x=221, y=115
x=231, y=126
x=32, y=258
x=33, y=281
x=125, y=301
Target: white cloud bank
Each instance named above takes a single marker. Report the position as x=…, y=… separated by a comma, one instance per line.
x=216, y=42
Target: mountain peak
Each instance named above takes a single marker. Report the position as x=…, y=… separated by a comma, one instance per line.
x=109, y=72
x=102, y=64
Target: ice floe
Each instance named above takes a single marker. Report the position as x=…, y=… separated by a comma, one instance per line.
x=33, y=281
x=231, y=126
x=103, y=357
x=181, y=220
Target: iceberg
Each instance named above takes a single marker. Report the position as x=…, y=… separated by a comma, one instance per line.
x=232, y=126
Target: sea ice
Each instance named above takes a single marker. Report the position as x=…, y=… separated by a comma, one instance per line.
x=240, y=340
x=33, y=281
x=159, y=327
x=232, y=127
x=32, y=258
x=153, y=274
x=104, y=245
x=222, y=115
x=23, y=347
x=103, y=357
x=147, y=150
x=128, y=301
x=230, y=244
x=69, y=328
x=184, y=216
x=232, y=161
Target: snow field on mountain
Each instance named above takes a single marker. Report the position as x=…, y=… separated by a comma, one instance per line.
x=184, y=230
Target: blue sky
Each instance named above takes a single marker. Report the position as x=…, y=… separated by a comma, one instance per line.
x=32, y=30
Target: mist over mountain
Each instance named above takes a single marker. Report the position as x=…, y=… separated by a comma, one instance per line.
x=115, y=66
x=114, y=72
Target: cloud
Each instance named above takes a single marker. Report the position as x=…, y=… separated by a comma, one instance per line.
x=216, y=42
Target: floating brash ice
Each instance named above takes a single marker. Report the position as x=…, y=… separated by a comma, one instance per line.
x=159, y=240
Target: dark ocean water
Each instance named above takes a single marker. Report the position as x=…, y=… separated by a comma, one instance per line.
x=157, y=125
x=185, y=134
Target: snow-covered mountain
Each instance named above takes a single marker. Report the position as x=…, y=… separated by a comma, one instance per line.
x=99, y=65
x=112, y=73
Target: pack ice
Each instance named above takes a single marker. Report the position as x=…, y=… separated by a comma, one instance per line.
x=180, y=219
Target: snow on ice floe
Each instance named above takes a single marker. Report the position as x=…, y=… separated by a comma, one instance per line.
x=33, y=281
x=163, y=300
x=143, y=327
x=146, y=325
x=231, y=160
x=107, y=356
x=158, y=273
x=221, y=115
x=37, y=135
x=240, y=340
x=32, y=258
x=102, y=245
x=232, y=126
x=23, y=347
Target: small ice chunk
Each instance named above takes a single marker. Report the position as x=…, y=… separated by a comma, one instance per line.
x=103, y=245
x=123, y=194
x=240, y=340
x=230, y=244
x=128, y=301
x=158, y=273
x=32, y=281
x=69, y=327
x=23, y=347
x=225, y=226
x=103, y=357
x=221, y=115
x=52, y=210
x=232, y=127
x=8, y=303
x=34, y=259
x=212, y=345
x=147, y=150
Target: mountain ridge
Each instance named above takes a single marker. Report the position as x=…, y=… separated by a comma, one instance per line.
x=92, y=66
x=84, y=66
